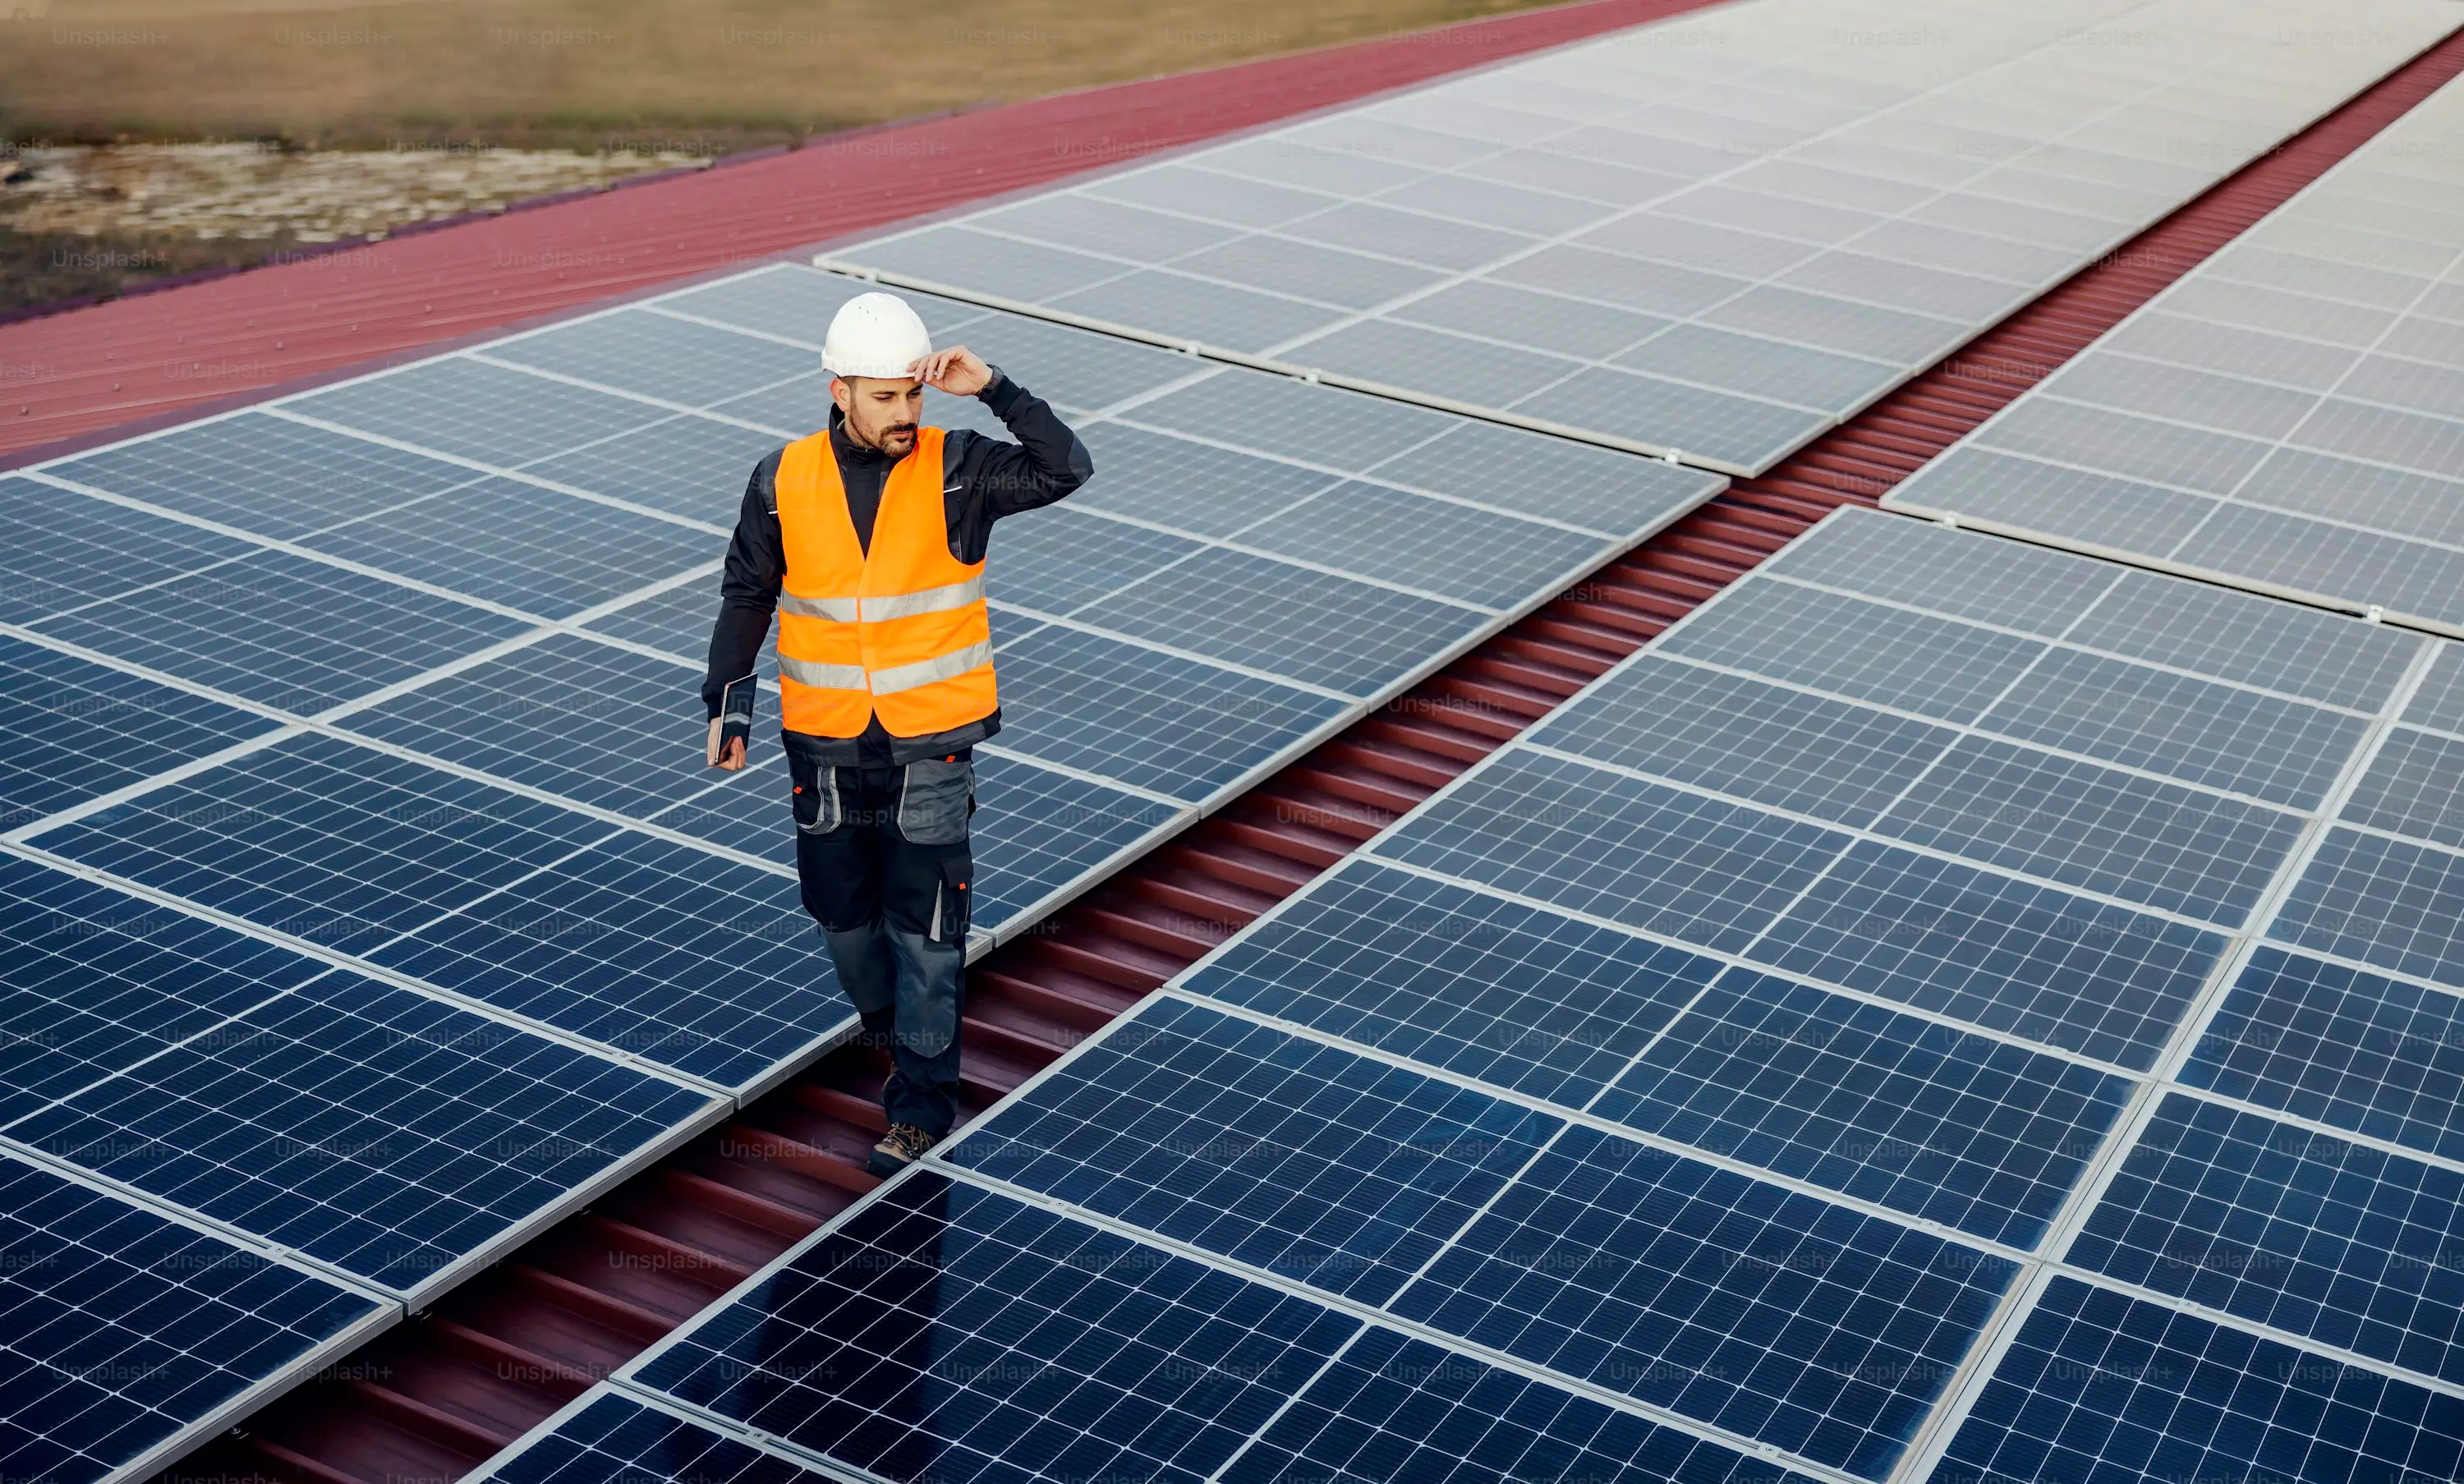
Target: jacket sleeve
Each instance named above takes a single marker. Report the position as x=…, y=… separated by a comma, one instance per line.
x=748, y=588
x=989, y=479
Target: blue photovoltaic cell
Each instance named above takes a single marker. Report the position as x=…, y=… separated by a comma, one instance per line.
x=1957, y=1128
x=474, y=410
x=2439, y=700
x=1037, y=831
x=96, y=980
x=285, y=631
x=264, y=473
x=2260, y=641
x=2009, y=955
x=2196, y=729
x=1928, y=565
x=2159, y=843
x=62, y=550
x=2342, y=1047
x=1617, y=846
x=379, y=1130
x=677, y=621
x=1743, y=737
x=948, y=1332
x=2415, y=786
x=1160, y=721
x=1778, y=1316
x=1547, y=1006
x=590, y=721
x=126, y=1329
x=74, y=729
x=1287, y=1154
x=1057, y=560
x=664, y=950
x=1392, y=1409
x=530, y=549
x=637, y=350
x=1155, y=476
x=2314, y=1235
x=1852, y=647
x=687, y=465
x=326, y=841
x=2385, y=902
x=617, y=1438
x=1310, y=626
x=2105, y=1387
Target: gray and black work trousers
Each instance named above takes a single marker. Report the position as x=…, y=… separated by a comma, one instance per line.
x=883, y=857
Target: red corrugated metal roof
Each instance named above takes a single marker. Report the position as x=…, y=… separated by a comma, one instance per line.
x=65, y=379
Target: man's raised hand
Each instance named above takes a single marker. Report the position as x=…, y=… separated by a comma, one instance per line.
x=958, y=371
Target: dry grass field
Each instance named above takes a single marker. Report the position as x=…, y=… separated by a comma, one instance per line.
x=706, y=76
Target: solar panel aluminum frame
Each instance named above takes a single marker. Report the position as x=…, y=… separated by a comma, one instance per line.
x=493, y=1467
x=389, y=1310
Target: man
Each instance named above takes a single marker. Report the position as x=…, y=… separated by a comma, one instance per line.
x=869, y=541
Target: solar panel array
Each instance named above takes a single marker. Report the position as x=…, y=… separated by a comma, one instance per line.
x=1721, y=234
x=1880, y=1031
x=367, y=900
x=2288, y=417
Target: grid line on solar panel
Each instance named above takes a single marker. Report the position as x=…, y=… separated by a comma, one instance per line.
x=161, y=1330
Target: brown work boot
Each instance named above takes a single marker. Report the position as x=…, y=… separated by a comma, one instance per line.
x=901, y=1147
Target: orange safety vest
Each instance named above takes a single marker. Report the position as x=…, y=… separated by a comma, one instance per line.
x=900, y=629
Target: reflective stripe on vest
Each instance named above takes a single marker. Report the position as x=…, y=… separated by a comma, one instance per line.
x=898, y=630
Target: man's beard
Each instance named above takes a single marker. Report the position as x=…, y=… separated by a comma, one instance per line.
x=895, y=434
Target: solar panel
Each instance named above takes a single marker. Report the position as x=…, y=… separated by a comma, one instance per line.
x=522, y=904
x=264, y=474
x=282, y=630
x=947, y=1327
x=132, y=1335
x=66, y=552
x=76, y=730
x=2285, y=418
x=397, y=1139
x=530, y=549
x=2099, y=1384
x=1721, y=262
x=1301, y=1160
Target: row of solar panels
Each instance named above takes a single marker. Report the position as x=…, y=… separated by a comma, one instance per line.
x=1720, y=235
x=1903, y=1023
x=2288, y=417
x=368, y=901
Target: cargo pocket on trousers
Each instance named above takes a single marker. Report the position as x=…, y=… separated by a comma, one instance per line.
x=817, y=796
x=935, y=798
x=951, y=903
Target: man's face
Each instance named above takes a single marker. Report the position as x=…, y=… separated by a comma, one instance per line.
x=881, y=412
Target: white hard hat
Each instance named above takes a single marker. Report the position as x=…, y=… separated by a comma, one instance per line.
x=874, y=335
